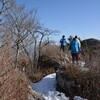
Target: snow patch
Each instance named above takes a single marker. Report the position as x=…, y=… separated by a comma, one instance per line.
x=47, y=87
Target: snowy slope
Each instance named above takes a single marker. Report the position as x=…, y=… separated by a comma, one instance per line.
x=47, y=87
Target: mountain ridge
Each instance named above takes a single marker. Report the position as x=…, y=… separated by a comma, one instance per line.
x=91, y=43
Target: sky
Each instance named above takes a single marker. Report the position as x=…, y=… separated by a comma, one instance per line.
x=70, y=17
x=47, y=88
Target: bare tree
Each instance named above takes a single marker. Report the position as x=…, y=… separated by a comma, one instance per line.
x=5, y=9
x=18, y=25
x=10, y=79
x=43, y=33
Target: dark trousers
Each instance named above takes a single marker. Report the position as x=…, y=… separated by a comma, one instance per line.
x=75, y=57
x=62, y=48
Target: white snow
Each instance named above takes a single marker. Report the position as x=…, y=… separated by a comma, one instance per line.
x=47, y=87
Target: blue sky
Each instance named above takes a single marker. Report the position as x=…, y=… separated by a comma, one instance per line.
x=70, y=17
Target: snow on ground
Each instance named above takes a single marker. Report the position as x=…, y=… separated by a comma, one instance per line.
x=47, y=87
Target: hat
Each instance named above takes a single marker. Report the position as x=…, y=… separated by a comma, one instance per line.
x=75, y=36
x=63, y=36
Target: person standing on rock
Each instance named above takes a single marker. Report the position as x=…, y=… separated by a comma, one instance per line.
x=75, y=49
x=78, y=40
x=63, y=43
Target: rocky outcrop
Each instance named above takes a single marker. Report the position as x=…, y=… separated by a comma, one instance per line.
x=65, y=83
x=70, y=79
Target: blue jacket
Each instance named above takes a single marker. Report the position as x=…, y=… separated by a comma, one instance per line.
x=74, y=46
x=63, y=42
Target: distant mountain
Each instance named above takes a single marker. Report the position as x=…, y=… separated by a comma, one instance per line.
x=91, y=43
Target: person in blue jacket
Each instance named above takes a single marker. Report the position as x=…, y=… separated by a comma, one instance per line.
x=63, y=43
x=75, y=50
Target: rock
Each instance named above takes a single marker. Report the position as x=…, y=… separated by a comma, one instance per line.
x=66, y=83
x=57, y=66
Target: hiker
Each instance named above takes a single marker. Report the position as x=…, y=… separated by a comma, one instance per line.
x=79, y=46
x=75, y=49
x=78, y=40
x=63, y=43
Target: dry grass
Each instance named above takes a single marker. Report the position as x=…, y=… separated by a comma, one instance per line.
x=13, y=84
x=50, y=54
x=88, y=80
x=36, y=75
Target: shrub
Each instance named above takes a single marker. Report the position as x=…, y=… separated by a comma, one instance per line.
x=88, y=80
x=13, y=83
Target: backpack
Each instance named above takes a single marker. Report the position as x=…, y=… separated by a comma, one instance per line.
x=74, y=46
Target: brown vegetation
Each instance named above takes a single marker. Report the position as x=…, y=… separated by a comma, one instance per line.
x=13, y=84
x=21, y=44
x=87, y=78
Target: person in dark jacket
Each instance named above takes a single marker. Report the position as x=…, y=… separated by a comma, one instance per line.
x=63, y=43
x=75, y=49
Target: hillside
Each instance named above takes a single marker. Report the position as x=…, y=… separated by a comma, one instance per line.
x=92, y=44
